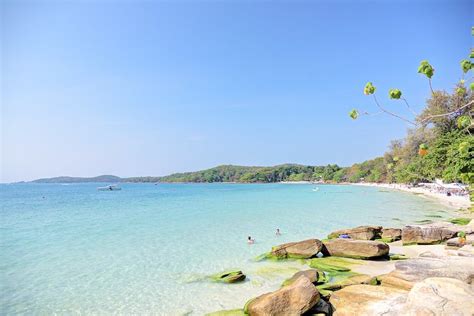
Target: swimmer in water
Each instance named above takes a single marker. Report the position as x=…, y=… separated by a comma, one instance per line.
x=278, y=232
x=250, y=240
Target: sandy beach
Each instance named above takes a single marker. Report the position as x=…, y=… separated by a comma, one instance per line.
x=453, y=200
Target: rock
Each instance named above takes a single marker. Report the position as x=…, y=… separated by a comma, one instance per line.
x=391, y=234
x=313, y=275
x=360, y=249
x=294, y=299
x=466, y=251
x=365, y=300
x=300, y=250
x=359, y=233
x=321, y=308
x=333, y=264
x=434, y=233
x=229, y=276
x=454, y=242
x=232, y=312
x=439, y=296
x=351, y=280
x=408, y=272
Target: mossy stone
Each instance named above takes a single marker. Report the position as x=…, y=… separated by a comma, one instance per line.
x=228, y=276
x=398, y=256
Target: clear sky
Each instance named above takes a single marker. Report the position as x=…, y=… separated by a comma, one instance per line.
x=149, y=88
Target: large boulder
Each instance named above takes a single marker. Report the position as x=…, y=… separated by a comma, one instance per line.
x=359, y=249
x=391, y=234
x=408, y=272
x=439, y=296
x=434, y=233
x=300, y=250
x=294, y=299
x=360, y=232
x=366, y=300
x=313, y=275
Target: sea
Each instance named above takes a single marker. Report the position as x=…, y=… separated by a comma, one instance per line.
x=149, y=249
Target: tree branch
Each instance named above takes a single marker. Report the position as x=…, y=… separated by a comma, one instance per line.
x=409, y=107
x=445, y=114
x=392, y=114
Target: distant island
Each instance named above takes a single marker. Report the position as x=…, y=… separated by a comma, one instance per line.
x=246, y=174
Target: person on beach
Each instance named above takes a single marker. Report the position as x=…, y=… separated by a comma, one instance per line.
x=250, y=240
x=278, y=232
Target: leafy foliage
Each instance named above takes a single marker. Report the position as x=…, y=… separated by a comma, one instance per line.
x=426, y=69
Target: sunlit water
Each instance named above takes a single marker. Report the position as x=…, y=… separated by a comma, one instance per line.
x=71, y=249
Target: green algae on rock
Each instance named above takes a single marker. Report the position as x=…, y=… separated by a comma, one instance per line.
x=228, y=276
x=460, y=220
x=331, y=264
x=398, y=256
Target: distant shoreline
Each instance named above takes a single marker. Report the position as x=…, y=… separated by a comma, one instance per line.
x=453, y=200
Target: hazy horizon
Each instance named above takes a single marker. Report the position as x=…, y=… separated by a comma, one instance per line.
x=153, y=88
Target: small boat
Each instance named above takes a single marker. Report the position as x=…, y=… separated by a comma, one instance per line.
x=109, y=188
x=315, y=189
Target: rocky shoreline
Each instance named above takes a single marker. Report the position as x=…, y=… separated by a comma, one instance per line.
x=371, y=270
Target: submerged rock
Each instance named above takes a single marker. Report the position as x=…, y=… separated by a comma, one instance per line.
x=365, y=300
x=439, y=296
x=299, y=250
x=391, y=234
x=294, y=299
x=359, y=233
x=228, y=276
x=360, y=249
x=350, y=280
x=331, y=264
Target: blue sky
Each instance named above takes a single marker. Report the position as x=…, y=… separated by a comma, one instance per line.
x=149, y=88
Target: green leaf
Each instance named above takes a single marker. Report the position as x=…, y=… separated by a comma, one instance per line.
x=464, y=147
x=463, y=121
x=354, y=114
x=461, y=90
x=395, y=94
x=466, y=65
x=395, y=158
x=472, y=53
x=472, y=86
x=369, y=88
x=423, y=146
x=426, y=69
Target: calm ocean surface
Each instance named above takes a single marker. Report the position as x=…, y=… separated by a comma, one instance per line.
x=70, y=249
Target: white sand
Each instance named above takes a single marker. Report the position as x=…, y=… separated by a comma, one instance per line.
x=453, y=200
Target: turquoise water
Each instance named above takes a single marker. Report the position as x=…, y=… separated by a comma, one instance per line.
x=70, y=249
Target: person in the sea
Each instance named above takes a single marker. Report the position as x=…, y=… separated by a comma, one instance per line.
x=278, y=232
x=250, y=240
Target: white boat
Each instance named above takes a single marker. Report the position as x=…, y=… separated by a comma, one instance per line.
x=109, y=188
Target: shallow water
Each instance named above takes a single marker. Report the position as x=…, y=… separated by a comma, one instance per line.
x=146, y=249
